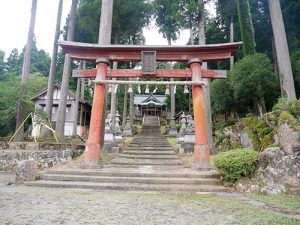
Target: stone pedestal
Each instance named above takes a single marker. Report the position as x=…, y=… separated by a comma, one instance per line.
x=188, y=140
x=181, y=133
x=109, y=137
x=26, y=171
x=118, y=132
x=127, y=132
x=173, y=129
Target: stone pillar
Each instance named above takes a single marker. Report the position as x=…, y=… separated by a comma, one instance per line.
x=93, y=146
x=201, y=148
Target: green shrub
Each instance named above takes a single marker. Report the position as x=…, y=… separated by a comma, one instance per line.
x=236, y=163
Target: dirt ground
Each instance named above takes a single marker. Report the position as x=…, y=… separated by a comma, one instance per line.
x=27, y=205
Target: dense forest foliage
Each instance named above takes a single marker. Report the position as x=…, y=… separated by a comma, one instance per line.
x=252, y=86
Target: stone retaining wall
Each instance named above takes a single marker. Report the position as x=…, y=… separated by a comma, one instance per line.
x=46, y=155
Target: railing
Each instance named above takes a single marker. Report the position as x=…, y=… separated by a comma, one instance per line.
x=144, y=119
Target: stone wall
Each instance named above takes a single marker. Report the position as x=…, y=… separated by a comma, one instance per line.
x=46, y=155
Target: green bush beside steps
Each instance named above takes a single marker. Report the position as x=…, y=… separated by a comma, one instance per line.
x=240, y=162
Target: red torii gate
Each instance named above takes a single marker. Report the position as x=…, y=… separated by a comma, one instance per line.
x=194, y=55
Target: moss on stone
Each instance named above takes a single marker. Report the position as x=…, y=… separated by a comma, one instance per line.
x=261, y=130
x=286, y=117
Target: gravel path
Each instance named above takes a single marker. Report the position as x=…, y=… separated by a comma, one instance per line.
x=27, y=205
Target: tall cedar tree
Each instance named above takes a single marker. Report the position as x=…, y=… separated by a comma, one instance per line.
x=25, y=74
x=246, y=27
x=61, y=112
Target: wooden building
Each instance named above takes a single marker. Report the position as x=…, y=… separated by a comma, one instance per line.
x=83, y=110
x=150, y=105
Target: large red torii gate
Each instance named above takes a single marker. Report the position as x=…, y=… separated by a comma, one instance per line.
x=194, y=55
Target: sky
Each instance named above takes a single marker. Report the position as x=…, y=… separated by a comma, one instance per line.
x=15, y=18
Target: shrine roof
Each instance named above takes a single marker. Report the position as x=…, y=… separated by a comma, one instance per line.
x=148, y=99
x=57, y=84
x=90, y=52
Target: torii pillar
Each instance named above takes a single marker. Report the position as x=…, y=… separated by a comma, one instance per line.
x=93, y=146
x=201, y=148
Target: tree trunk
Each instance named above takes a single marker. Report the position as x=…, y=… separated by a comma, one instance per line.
x=76, y=106
x=172, y=94
x=261, y=105
x=113, y=93
x=275, y=62
x=191, y=36
x=172, y=89
x=190, y=89
x=282, y=50
x=231, y=41
x=52, y=73
x=246, y=26
x=25, y=74
x=81, y=119
x=131, y=108
x=105, y=39
x=61, y=112
x=125, y=106
x=113, y=103
x=207, y=103
x=106, y=22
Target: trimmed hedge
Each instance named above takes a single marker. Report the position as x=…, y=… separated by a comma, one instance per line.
x=236, y=163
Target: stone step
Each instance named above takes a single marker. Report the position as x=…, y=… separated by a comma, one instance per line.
x=144, y=156
x=154, y=149
x=140, y=172
x=149, y=142
x=129, y=180
x=123, y=161
x=132, y=187
x=148, y=152
x=152, y=137
x=142, y=142
x=150, y=147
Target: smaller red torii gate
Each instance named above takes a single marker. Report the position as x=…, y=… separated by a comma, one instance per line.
x=194, y=55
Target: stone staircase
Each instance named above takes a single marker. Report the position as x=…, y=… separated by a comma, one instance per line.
x=148, y=164
x=148, y=148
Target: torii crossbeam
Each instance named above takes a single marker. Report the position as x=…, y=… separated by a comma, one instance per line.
x=194, y=55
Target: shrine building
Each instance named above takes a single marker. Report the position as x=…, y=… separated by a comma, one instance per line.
x=150, y=104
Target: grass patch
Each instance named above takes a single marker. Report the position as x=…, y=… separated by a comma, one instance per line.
x=163, y=129
x=282, y=201
x=173, y=143
x=106, y=157
x=222, y=207
x=137, y=128
x=127, y=141
x=188, y=160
